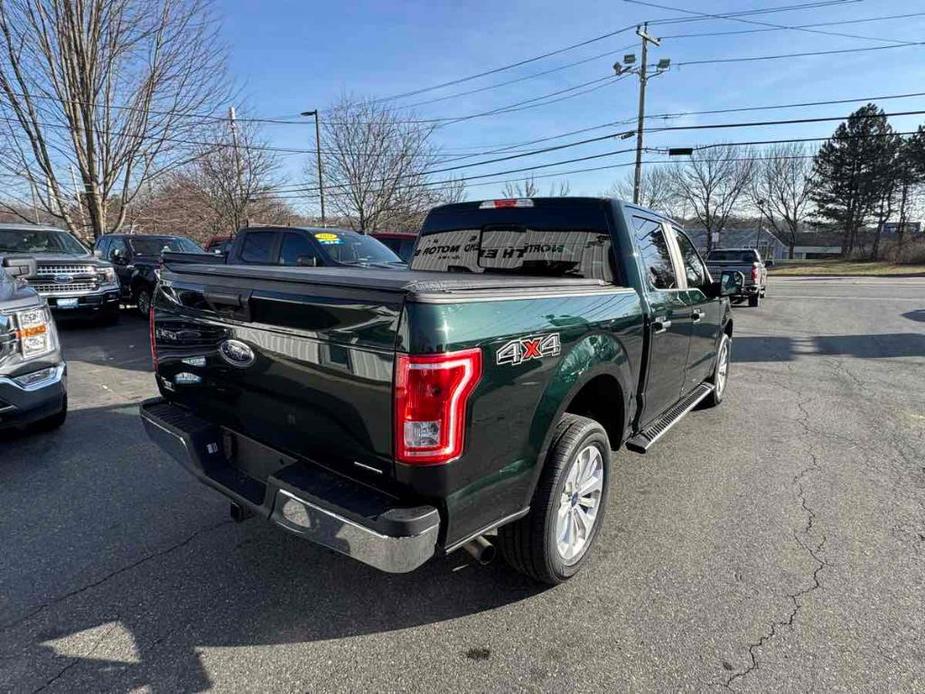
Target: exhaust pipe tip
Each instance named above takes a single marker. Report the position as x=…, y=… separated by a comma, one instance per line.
x=481, y=550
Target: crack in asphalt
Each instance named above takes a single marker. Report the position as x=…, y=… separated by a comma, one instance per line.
x=813, y=551
x=77, y=659
x=77, y=591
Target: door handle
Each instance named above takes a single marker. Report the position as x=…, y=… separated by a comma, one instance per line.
x=697, y=315
x=661, y=325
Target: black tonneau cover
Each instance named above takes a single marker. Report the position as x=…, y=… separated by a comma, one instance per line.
x=413, y=284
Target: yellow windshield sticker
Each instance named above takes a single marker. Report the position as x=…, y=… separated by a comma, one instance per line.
x=326, y=236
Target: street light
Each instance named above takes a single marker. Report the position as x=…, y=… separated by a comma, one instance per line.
x=318, y=158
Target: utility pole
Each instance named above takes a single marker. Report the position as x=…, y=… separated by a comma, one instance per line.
x=643, y=78
x=318, y=159
x=643, y=73
x=237, y=158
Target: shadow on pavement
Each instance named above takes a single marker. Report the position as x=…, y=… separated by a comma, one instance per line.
x=157, y=560
x=918, y=315
x=874, y=346
x=124, y=345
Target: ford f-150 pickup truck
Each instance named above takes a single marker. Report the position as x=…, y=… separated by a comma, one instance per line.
x=33, y=385
x=747, y=261
x=68, y=276
x=137, y=260
x=396, y=415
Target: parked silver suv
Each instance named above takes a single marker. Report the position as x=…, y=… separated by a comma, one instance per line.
x=68, y=275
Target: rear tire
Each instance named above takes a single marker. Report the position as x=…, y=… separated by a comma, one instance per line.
x=753, y=300
x=551, y=543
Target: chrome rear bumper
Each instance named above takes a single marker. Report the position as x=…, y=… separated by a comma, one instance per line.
x=305, y=499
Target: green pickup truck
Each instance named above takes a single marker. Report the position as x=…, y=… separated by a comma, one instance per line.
x=473, y=400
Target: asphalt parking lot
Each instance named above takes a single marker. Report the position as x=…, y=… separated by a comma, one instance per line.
x=775, y=543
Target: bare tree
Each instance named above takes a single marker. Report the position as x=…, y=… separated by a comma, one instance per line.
x=658, y=191
x=98, y=97
x=712, y=182
x=375, y=162
x=781, y=188
x=527, y=188
x=233, y=179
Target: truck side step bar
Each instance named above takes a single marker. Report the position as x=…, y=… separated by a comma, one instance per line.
x=642, y=441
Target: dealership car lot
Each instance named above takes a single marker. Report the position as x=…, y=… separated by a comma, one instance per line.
x=775, y=542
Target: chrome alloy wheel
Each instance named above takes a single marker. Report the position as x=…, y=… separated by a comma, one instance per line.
x=722, y=367
x=579, y=504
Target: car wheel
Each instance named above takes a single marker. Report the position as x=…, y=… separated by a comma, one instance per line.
x=551, y=543
x=753, y=300
x=720, y=372
x=143, y=301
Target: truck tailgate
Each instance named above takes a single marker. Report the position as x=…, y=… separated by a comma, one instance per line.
x=305, y=369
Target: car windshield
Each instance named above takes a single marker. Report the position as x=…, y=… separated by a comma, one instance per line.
x=351, y=248
x=734, y=256
x=154, y=245
x=39, y=241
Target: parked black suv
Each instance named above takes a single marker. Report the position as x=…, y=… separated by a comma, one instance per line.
x=137, y=259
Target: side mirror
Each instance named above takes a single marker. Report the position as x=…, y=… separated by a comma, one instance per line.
x=307, y=261
x=97, y=253
x=20, y=266
x=730, y=282
x=769, y=262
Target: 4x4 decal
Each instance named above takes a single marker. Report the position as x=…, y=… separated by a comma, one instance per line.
x=526, y=348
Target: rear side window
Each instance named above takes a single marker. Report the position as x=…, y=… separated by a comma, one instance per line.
x=551, y=239
x=295, y=246
x=654, y=254
x=693, y=265
x=257, y=247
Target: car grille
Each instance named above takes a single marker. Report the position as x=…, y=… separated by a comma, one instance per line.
x=64, y=288
x=52, y=270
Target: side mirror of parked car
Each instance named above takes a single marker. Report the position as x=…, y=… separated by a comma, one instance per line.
x=97, y=253
x=769, y=262
x=730, y=282
x=307, y=261
x=117, y=256
x=20, y=266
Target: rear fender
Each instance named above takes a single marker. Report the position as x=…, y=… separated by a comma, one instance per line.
x=595, y=355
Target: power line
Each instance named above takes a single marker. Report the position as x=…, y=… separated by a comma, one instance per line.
x=601, y=37
x=707, y=15
x=795, y=27
x=746, y=59
x=790, y=121
x=293, y=194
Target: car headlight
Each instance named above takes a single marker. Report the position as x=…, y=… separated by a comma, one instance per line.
x=109, y=275
x=35, y=332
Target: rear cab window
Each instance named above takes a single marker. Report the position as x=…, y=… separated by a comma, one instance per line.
x=560, y=237
x=257, y=247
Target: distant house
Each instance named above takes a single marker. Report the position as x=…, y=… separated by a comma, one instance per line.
x=765, y=241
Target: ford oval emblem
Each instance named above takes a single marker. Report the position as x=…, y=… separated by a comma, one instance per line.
x=236, y=353
x=63, y=279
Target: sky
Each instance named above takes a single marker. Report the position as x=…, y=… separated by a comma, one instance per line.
x=289, y=56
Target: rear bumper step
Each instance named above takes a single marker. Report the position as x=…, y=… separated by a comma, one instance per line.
x=642, y=441
x=324, y=508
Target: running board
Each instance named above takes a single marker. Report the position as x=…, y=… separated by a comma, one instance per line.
x=642, y=441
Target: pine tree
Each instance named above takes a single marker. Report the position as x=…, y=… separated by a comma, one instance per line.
x=851, y=169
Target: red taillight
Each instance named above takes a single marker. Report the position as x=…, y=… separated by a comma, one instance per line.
x=431, y=393
x=756, y=273
x=151, y=337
